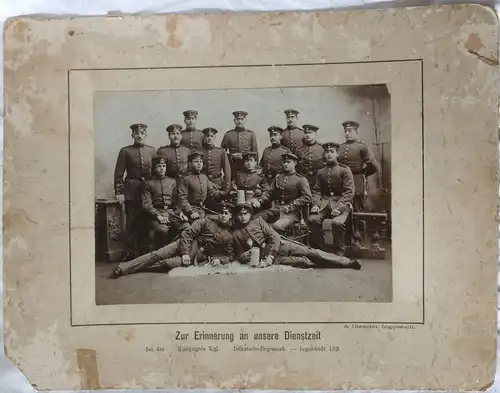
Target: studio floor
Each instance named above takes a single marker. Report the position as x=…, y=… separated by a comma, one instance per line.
x=373, y=283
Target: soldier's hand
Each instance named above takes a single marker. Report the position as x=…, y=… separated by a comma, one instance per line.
x=120, y=198
x=163, y=220
x=287, y=209
x=186, y=260
x=215, y=262
x=183, y=217
x=315, y=209
x=336, y=213
x=195, y=215
x=255, y=203
x=237, y=156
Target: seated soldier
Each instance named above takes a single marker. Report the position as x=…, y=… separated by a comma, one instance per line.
x=251, y=232
x=159, y=198
x=332, y=198
x=249, y=180
x=271, y=157
x=288, y=195
x=175, y=153
x=208, y=241
x=195, y=189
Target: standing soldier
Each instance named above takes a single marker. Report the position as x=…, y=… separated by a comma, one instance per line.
x=191, y=137
x=135, y=160
x=292, y=136
x=238, y=141
x=356, y=156
x=215, y=161
x=310, y=155
x=175, y=154
x=288, y=195
x=159, y=198
x=332, y=198
x=195, y=190
x=271, y=157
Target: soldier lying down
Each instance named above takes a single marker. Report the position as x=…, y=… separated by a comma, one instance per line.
x=209, y=241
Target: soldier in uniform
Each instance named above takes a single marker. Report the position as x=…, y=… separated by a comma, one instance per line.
x=251, y=232
x=271, y=156
x=332, y=198
x=310, y=154
x=134, y=162
x=175, y=154
x=288, y=195
x=292, y=135
x=238, y=141
x=159, y=198
x=356, y=156
x=215, y=161
x=208, y=242
x=195, y=189
x=249, y=179
x=191, y=137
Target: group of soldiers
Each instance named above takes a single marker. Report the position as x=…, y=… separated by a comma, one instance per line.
x=190, y=186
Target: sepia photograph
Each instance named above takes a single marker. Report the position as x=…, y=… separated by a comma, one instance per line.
x=243, y=195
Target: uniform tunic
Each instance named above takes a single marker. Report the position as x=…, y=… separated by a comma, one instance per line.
x=194, y=190
x=357, y=157
x=292, y=138
x=192, y=139
x=212, y=239
x=334, y=188
x=271, y=162
x=177, y=159
x=289, y=189
x=250, y=181
x=310, y=160
x=216, y=166
x=239, y=140
x=159, y=195
x=136, y=162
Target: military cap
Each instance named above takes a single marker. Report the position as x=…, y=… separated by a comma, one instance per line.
x=247, y=154
x=210, y=130
x=350, y=124
x=190, y=113
x=242, y=207
x=174, y=127
x=291, y=112
x=159, y=160
x=223, y=205
x=138, y=126
x=290, y=156
x=275, y=129
x=194, y=155
x=240, y=114
x=329, y=145
x=309, y=127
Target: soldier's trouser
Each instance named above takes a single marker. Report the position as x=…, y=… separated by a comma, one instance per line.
x=279, y=221
x=161, y=233
x=136, y=236
x=338, y=229
x=149, y=259
x=358, y=203
x=288, y=248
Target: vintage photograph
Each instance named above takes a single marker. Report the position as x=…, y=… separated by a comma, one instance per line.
x=243, y=195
